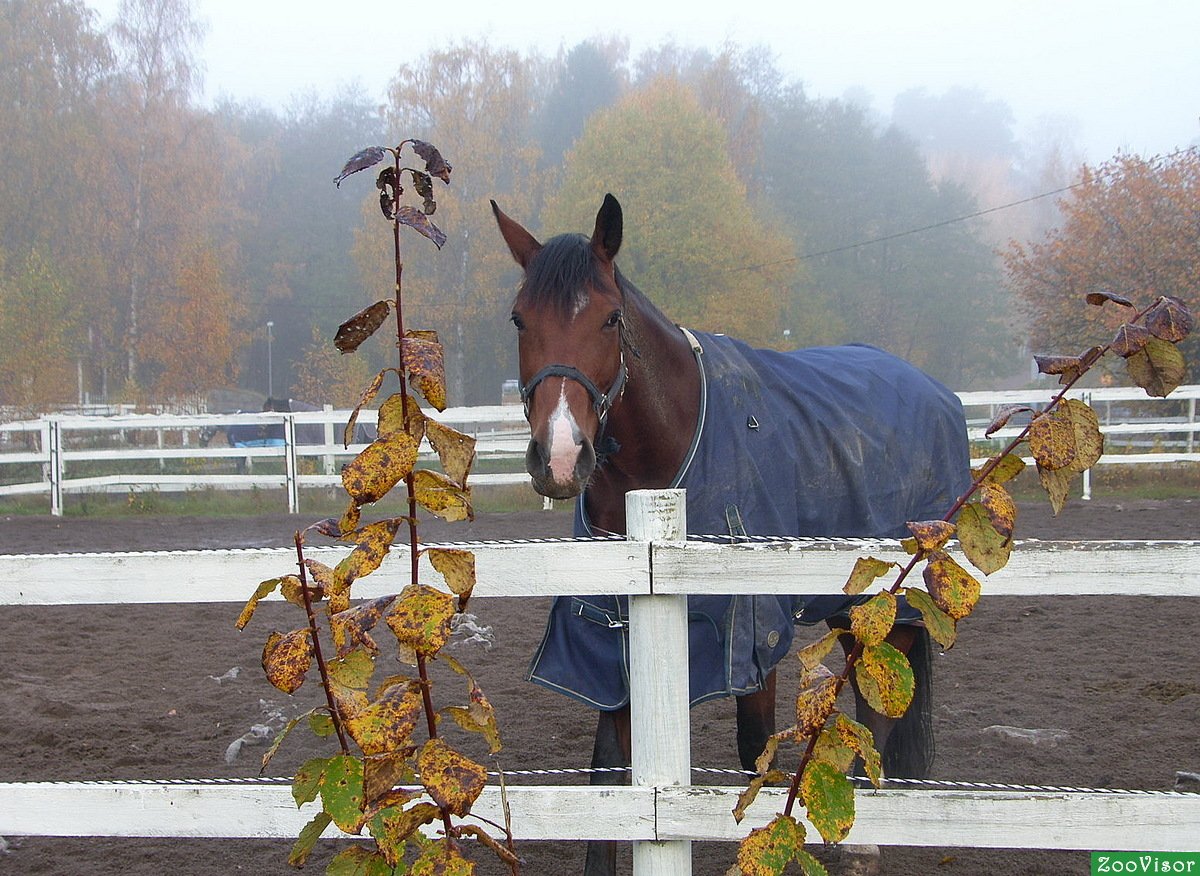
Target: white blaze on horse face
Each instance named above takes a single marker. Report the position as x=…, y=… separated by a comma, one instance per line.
x=563, y=451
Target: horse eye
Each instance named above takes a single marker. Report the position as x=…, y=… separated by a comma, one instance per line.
x=614, y=319
x=518, y=322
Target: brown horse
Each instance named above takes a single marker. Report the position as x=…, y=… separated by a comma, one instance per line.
x=620, y=398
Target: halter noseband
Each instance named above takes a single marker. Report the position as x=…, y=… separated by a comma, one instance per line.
x=602, y=402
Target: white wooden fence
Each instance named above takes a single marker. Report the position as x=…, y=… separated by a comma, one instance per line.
x=662, y=812
x=501, y=432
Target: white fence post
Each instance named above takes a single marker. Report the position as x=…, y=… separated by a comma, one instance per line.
x=289, y=464
x=658, y=678
x=327, y=461
x=54, y=443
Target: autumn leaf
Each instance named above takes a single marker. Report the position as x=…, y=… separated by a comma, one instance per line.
x=1052, y=440
x=950, y=585
x=1057, y=484
x=873, y=620
x=368, y=395
x=382, y=772
x=861, y=741
x=401, y=413
x=885, y=679
x=829, y=798
x=359, y=860
x=442, y=497
x=287, y=658
x=1169, y=319
x=768, y=850
x=986, y=548
x=942, y=628
x=435, y=165
x=457, y=566
x=750, y=793
x=1097, y=299
x=309, y=835
x=1068, y=368
x=1158, y=367
x=423, y=359
x=815, y=704
x=1004, y=470
x=931, y=534
x=353, y=626
x=361, y=326
x=423, y=183
x=420, y=618
x=1130, y=338
x=1003, y=416
x=419, y=222
x=864, y=573
x=361, y=160
x=387, y=723
x=452, y=780
x=373, y=543
x=455, y=450
x=812, y=655
x=265, y=589
x=381, y=465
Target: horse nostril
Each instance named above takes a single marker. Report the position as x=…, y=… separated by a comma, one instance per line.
x=536, y=457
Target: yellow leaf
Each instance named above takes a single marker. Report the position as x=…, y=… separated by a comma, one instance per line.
x=872, y=621
x=452, y=780
x=864, y=573
x=442, y=497
x=423, y=359
x=286, y=659
x=381, y=465
x=455, y=449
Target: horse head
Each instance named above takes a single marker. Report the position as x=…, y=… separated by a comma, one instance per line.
x=569, y=314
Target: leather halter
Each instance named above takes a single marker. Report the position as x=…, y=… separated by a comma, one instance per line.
x=602, y=402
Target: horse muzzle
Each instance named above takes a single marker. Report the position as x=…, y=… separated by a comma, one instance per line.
x=560, y=472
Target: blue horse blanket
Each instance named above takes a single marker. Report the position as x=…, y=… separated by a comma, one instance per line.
x=827, y=442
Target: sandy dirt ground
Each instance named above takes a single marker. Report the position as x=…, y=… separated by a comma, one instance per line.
x=154, y=692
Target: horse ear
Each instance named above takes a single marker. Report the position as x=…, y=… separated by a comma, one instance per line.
x=521, y=243
x=606, y=239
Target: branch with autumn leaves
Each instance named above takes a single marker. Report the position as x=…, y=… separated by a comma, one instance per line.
x=383, y=779
x=1064, y=440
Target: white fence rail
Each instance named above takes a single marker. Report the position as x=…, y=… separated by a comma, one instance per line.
x=662, y=812
x=58, y=446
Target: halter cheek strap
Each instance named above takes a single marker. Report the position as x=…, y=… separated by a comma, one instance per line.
x=602, y=402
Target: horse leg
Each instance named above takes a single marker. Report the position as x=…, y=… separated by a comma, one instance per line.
x=755, y=722
x=612, y=749
x=905, y=744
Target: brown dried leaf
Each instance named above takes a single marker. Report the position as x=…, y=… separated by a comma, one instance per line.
x=1099, y=298
x=362, y=325
x=418, y=221
x=1003, y=416
x=287, y=658
x=353, y=626
x=424, y=361
x=452, y=780
x=747, y=797
x=435, y=165
x=455, y=449
x=382, y=464
x=1169, y=319
x=1067, y=368
x=382, y=773
x=1130, y=339
x=361, y=160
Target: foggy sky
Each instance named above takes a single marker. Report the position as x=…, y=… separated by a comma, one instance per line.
x=1119, y=79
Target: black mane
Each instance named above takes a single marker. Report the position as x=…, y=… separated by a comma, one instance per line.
x=561, y=271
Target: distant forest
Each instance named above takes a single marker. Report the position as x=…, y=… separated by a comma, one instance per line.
x=150, y=245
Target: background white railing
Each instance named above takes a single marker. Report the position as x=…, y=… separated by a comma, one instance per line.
x=662, y=812
x=58, y=454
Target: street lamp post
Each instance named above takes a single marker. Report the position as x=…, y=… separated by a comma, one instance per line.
x=270, y=371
